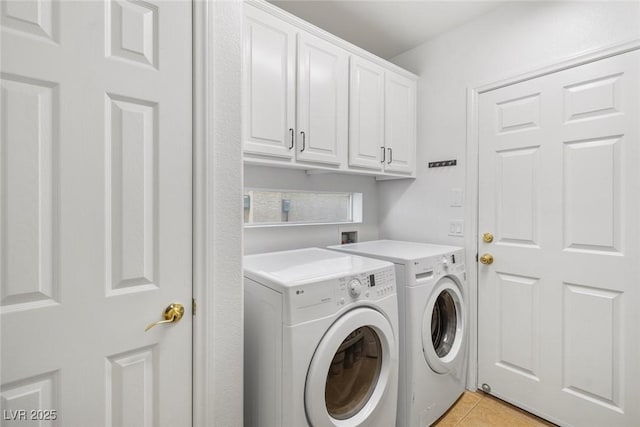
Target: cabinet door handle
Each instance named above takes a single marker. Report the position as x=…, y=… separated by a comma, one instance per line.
x=291, y=146
x=383, y=155
x=303, y=141
x=390, y=156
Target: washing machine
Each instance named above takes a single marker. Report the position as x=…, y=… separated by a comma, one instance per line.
x=432, y=296
x=320, y=340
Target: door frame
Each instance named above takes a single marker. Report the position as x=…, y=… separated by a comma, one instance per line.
x=472, y=172
x=217, y=341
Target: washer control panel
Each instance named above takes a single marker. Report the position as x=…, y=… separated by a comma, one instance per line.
x=355, y=288
x=371, y=286
x=318, y=299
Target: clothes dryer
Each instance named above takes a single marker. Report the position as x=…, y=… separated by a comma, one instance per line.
x=433, y=325
x=321, y=340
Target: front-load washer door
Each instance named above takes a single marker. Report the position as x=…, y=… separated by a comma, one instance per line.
x=443, y=327
x=350, y=371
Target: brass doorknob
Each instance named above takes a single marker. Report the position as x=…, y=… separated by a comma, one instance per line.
x=487, y=237
x=486, y=259
x=172, y=313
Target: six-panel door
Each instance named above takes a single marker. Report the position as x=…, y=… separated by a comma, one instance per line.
x=559, y=185
x=95, y=220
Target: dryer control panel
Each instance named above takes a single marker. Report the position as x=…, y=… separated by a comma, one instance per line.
x=432, y=268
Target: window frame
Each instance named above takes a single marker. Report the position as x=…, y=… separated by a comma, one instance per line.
x=355, y=208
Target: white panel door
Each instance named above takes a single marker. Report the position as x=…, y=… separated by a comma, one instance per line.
x=95, y=224
x=400, y=124
x=323, y=79
x=559, y=189
x=366, y=114
x=269, y=85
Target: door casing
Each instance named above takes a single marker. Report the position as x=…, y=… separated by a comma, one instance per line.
x=217, y=219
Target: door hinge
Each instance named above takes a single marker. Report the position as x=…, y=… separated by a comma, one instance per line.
x=193, y=307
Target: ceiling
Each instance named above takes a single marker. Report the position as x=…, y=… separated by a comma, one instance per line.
x=386, y=28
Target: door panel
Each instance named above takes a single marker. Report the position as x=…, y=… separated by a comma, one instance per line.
x=592, y=178
x=323, y=73
x=95, y=183
x=366, y=114
x=518, y=332
x=517, y=196
x=559, y=187
x=269, y=95
x=27, y=186
x=130, y=129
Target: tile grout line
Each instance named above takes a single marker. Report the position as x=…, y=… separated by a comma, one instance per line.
x=469, y=411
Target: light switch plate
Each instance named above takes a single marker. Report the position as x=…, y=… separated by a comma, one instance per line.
x=456, y=228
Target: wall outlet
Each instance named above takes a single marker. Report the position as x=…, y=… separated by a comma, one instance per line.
x=456, y=228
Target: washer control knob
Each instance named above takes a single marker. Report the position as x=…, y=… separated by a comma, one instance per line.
x=445, y=263
x=355, y=287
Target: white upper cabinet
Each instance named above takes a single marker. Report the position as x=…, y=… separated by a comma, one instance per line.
x=400, y=124
x=315, y=102
x=382, y=119
x=269, y=85
x=366, y=114
x=323, y=85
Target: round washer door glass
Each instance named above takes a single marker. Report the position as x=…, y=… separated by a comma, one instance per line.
x=443, y=326
x=444, y=320
x=351, y=370
x=353, y=373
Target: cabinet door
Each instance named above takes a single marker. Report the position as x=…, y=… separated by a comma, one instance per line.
x=322, y=101
x=269, y=85
x=400, y=124
x=366, y=114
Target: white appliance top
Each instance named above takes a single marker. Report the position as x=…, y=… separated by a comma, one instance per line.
x=300, y=266
x=398, y=251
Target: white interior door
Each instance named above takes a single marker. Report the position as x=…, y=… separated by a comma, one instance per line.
x=95, y=181
x=323, y=80
x=559, y=189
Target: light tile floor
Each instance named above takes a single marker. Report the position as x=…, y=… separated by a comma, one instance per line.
x=478, y=409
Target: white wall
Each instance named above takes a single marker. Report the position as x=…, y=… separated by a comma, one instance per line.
x=509, y=40
x=267, y=239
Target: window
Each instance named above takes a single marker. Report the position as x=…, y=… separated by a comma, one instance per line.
x=274, y=207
